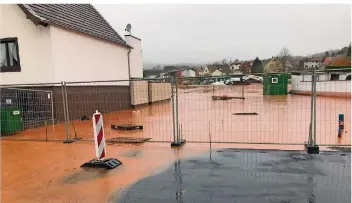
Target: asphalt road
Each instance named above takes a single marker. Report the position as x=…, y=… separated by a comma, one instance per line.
x=233, y=175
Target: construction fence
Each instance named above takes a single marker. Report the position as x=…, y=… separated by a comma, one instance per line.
x=199, y=109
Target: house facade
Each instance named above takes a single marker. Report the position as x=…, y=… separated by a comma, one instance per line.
x=334, y=81
x=52, y=50
x=273, y=65
x=188, y=73
x=50, y=43
x=236, y=66
x=310, y=63
x=216, y=70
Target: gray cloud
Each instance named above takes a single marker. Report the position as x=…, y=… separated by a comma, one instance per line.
x=203, y=33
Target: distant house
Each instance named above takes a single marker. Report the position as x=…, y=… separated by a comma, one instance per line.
x=310, y=63
x=325, y=62
x=169, y=68
x=151, y=73
x=288, y=66
x=273, y=65
x=181, y=72
x=235, y=66
x=339, y=62
x=217, y=70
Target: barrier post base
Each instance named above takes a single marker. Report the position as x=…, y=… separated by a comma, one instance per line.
x=178, y=144
x=312, y=149
x=68, y=141
x=109, y=163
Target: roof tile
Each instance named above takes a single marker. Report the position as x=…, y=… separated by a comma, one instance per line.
x=82, y=18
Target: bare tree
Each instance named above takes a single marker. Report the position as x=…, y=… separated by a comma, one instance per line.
x=284, y=56
x=224, y=61
x=284, y=53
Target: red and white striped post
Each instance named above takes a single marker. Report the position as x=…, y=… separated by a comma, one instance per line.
x=100, y=149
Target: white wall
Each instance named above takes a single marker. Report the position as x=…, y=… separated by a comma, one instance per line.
x=79, y=57
x=323, y=77
x=189, y=73
x=311, y=64
x=33, y=44
x=327, y=86
x=235, y=67
x=216, y=73
x=136, y=64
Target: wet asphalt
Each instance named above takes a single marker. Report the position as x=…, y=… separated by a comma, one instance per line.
x=233, y=175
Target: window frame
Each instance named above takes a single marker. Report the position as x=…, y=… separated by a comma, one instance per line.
x=16, y=68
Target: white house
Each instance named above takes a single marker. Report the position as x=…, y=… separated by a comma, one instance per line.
x=188, y=73
x=48, y=43
x=311, y=63
x=180, y=72
x=235, y=66
x=216, y=70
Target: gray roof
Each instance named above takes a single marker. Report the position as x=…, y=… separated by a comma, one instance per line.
x=82, y=18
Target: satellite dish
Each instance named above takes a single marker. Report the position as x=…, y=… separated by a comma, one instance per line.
x=128, y=28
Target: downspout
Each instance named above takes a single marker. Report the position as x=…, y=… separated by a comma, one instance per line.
x=129, y=68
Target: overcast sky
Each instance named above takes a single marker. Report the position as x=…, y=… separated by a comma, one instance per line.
x=205, y=33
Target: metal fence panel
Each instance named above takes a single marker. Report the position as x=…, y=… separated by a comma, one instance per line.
x=40, y=107
x=258, y=118
x=123, y=103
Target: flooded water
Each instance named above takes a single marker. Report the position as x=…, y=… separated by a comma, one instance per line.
x=50, y=171
x=281, y=119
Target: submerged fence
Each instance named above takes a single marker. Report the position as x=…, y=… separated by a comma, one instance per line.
x=200, y=109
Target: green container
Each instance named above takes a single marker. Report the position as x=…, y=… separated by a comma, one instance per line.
x=10, y=120
x=275, y=84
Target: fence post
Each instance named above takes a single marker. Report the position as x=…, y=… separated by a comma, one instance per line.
x=52, y=110
x=242, y=81
x=173, y=108
x=177, y=141
x=178, y=124
x=312, y=147
x=64, y=103
x=315, y=106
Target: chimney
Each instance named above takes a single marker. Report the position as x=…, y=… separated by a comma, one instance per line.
x=135, y=56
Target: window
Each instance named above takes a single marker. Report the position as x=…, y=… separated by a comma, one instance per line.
x=334, y=77
x=306, y=66
x=9, y=57
x=274, y=80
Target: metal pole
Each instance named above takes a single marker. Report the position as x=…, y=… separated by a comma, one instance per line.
x=209, y=139
x=177, y=107
x=178, y=133
x=67, y=113
x=173, y=108
x=315, y=106
x=64, y=106
x=181, y=136
x=52, y=110
x=242, y=88
x=311, y=113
